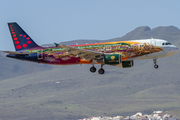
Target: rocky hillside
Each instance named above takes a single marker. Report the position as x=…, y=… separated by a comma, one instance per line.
x=35, y=91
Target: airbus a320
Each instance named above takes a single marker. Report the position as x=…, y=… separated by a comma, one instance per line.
x=120, y=53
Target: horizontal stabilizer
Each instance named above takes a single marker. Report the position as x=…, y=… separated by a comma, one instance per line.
x=14, y=53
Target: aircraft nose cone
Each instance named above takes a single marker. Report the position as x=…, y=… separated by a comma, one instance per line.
x=172, y=51
x=175, y=50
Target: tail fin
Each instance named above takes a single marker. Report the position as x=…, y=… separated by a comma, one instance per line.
x=20, y=38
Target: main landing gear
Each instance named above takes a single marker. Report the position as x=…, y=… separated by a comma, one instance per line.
x=155, y=65
x=100, y=71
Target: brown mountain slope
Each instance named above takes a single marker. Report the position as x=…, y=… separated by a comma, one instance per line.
x=33, y=91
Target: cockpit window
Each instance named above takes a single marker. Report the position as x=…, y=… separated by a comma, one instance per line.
x=166, y=44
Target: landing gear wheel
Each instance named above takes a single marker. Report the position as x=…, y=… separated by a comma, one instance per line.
x=93, y=69
x=156, y=66
x=101, y=71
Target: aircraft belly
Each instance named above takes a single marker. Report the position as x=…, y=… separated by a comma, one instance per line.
x=61, y=60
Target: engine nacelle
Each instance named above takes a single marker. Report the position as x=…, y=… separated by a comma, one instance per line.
x=115, y=60
x=126, y=64
x=112, y=59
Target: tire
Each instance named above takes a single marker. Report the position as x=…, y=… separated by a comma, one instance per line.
x=156, y=66
x=101, y=71
x=93, y=69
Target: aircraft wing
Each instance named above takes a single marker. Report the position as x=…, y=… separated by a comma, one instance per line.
x=86, y=54
x=14, y=53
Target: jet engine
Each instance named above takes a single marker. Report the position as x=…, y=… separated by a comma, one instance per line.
x=126, y=64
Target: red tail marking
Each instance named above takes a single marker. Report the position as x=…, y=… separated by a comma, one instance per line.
x=18, y=46
x=28, y=42
x=15, y=38
x=16, y=42
x=24, y=45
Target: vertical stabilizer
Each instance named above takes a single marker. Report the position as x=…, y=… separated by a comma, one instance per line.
x=20, y=38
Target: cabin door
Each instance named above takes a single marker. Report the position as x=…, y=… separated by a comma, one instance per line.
x=153, y=45
x=40, y=54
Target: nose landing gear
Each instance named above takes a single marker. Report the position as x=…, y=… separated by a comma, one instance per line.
x=155, y=65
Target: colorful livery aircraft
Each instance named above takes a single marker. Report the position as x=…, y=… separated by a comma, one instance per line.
x=121, y=54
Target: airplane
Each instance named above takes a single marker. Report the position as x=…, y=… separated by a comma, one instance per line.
x=119, y=53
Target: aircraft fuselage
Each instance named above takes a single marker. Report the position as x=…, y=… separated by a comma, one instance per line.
x=120, y=53
x=129, y=50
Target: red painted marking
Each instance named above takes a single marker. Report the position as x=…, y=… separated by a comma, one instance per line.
x=15, y=38
x=28, y=42
x=24, y=45
x=28, y=38
x=14, y=35
x=20, y=35
x=13, y=32
x=18, y=46
x=10, y=26
x=24, y=35
x=16, y=42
